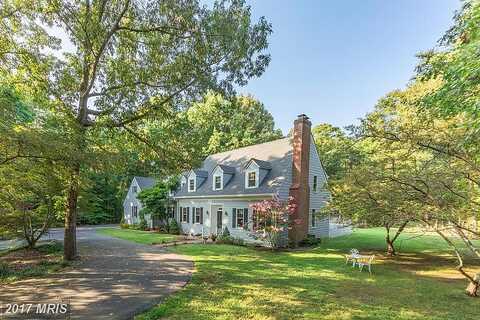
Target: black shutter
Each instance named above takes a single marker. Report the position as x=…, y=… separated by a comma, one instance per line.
x=201, y=215
x=234, y=218
x=193, y=215
x=180, y=213
x=188, y=214
x=245, y=218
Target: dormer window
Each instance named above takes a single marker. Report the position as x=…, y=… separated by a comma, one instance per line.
x=134, y=189
x=221, y=176
x=255, y=173
x=191, y=185
x=251, y=179
x=217, y=182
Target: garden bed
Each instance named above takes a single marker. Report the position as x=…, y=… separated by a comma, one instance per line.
x=29, y=263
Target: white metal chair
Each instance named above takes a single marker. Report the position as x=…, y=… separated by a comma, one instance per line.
x=366, y=261
x=352, y=256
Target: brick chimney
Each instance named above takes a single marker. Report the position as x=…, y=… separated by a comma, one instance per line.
x=300, y=189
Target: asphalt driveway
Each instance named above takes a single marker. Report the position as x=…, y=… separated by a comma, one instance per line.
x=115, y=279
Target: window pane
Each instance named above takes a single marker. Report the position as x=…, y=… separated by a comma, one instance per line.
x=197, y=215
x=239, y=219
x=218, y=184
x=251, y=179
x=191, y=184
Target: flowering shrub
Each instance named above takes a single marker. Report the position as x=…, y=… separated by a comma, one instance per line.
x=271, y=218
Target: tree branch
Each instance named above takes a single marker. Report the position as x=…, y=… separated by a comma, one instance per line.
x=145, y=114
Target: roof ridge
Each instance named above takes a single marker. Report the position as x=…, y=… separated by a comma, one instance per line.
x=252, y=145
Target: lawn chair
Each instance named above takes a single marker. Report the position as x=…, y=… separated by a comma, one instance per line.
x=366, y=261
x=354, y=253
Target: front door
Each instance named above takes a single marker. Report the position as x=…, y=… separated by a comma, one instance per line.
x=219, y=219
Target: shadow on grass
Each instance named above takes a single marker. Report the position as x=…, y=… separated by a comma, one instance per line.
x=241, y=283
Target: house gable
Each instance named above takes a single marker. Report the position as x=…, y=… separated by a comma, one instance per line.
x=218, y=178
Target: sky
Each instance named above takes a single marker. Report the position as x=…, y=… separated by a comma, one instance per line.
x=332, y=60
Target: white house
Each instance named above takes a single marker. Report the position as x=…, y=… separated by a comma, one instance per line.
x=132, y=205
x=218, y=195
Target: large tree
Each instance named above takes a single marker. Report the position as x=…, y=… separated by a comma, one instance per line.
x=131, y=62
x=336, y=149
x=456, y=62
x=436, y=159
x=228, y=123
x=30, y=177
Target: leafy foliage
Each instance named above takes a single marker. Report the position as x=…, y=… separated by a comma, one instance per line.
x=457, y=65
x=31, y=179
x=271, y=218
x=226, y=124
x=156, y=200
x=173, y=227
x=336, y=149
x=133, y=66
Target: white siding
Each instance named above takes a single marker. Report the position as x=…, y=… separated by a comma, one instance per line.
x=318, y=198
x=130, y=201
x=208, y=219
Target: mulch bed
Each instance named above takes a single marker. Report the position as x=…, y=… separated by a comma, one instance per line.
x=21, y=259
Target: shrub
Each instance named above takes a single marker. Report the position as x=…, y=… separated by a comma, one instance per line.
x=238, y=242
x=143, y=223
x=135, y=226
x=4, y=270
x=225, y=233
x=272, y=218
x=310, y=241
x=123, y=224
x=226, y=238
x=173, y=227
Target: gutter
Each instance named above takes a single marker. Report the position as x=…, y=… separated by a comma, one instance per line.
x=227, y=196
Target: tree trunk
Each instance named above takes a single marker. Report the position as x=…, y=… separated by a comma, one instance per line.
x=473, y=286
x=70, y=236
x=390, y=248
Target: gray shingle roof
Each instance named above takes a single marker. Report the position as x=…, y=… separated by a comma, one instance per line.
x=201, y=173
x=276, y=155
x=263, y=164
x=227, y=169
x=145, y=182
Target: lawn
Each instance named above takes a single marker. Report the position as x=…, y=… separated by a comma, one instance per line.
x=26, y=263
x=143, y=237
x=233, y=282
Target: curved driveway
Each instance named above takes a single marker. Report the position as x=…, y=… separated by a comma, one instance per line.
x=115, y=279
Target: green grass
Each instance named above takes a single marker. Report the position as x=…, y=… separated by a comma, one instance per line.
x=49, y=261
x=241, y=283
x=143, y=237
